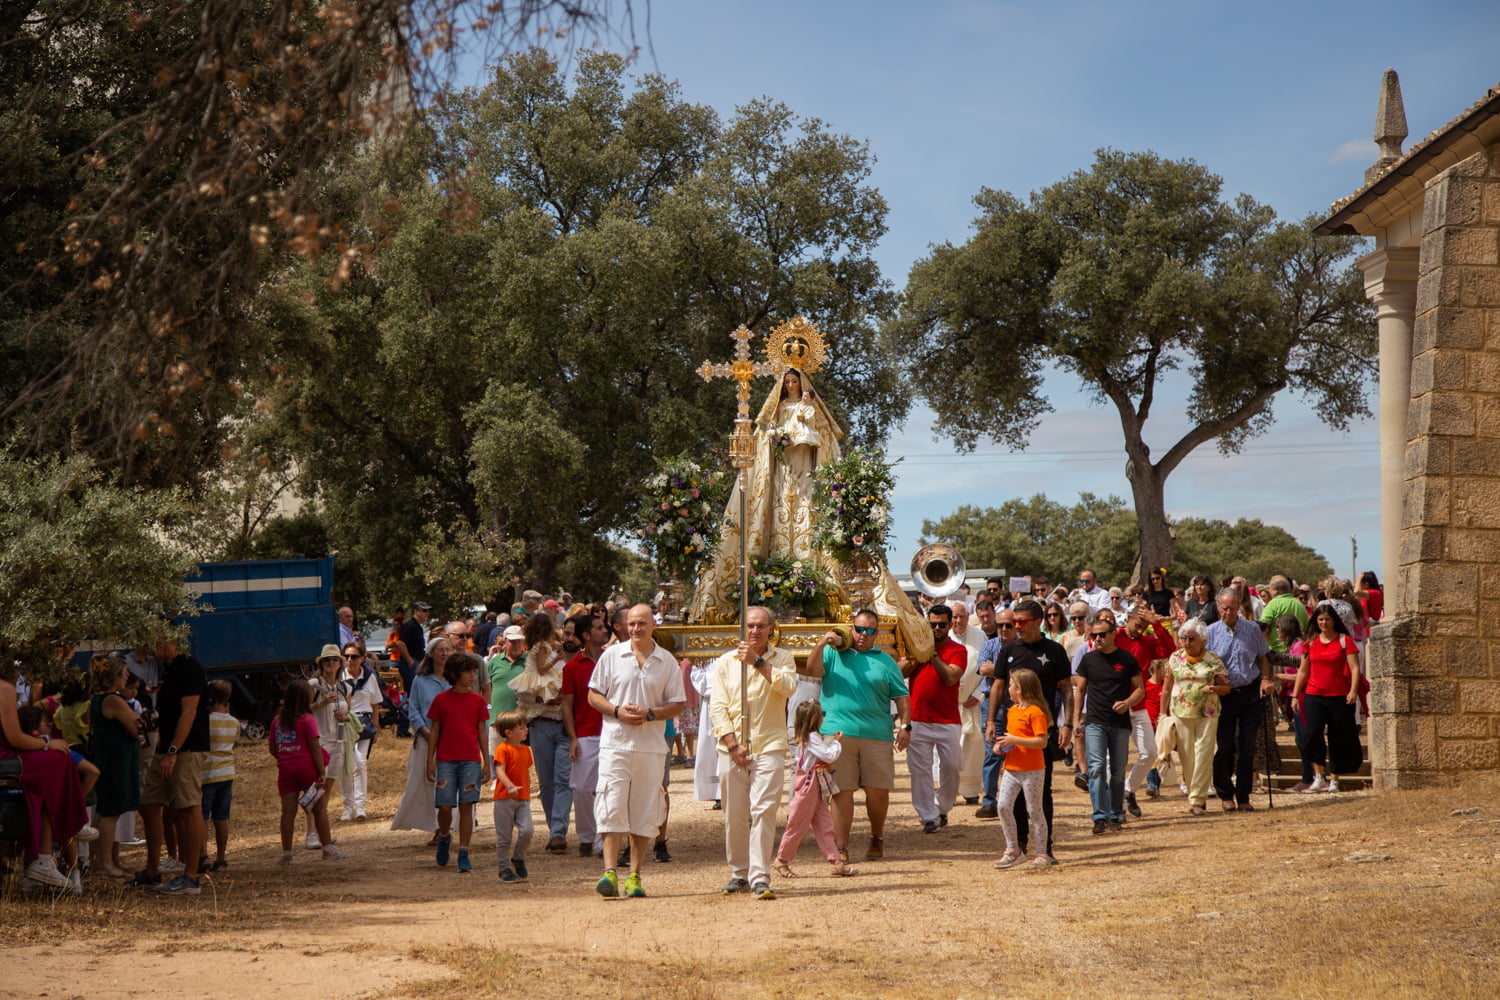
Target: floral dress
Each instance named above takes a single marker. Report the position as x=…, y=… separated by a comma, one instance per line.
x=1191, y=697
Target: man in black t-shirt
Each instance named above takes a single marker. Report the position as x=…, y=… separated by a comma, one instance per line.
x=1111, y=679
x=173, y=781
x=1049, y=661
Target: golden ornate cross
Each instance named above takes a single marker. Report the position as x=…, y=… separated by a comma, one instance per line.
x=742, y=369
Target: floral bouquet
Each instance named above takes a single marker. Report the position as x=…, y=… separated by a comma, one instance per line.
x=780, y=442
x=681, y=512
x=778, y=581
x=850, y=505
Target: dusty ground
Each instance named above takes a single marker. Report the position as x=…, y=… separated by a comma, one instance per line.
x=1269, y=904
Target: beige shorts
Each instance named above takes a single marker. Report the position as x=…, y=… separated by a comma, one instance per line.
x=865, y=764
x=184, y=790
x=629, y=796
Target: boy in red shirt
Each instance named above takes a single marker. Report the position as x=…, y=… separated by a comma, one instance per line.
x=456, y=760
x=512, y=795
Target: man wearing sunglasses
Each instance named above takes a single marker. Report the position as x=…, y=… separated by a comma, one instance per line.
x=1090, y=592
x=936, y=726
x=1046, y=658
x=1112, y=680
x=859, y=685
x=1005, y=631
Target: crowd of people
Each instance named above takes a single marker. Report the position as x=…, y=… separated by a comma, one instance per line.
x=583, y=705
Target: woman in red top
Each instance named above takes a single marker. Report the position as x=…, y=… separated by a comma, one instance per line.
x=1326, y=689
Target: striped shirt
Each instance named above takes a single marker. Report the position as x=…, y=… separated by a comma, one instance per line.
x=223, y=730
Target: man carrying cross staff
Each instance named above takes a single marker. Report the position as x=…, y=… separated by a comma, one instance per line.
x=749, y=694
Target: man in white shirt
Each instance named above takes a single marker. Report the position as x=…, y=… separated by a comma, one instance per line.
x=1090, y=592
x=636, y=686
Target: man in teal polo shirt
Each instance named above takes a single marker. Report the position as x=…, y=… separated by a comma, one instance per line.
x=1283, y=602
x=859, y=685
x=503, y=667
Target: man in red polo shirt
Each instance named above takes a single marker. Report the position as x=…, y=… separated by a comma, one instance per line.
x=1144, y=638
x=583, y=724
x=936, y=725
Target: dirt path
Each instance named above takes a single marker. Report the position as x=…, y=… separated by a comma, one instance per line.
x=1270, y=904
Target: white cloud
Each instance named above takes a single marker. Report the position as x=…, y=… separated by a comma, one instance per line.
x=1358, y=150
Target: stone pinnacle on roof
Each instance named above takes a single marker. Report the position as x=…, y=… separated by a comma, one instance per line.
x=1390, y=125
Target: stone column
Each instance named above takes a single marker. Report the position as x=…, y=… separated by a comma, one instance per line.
x=1391, y=283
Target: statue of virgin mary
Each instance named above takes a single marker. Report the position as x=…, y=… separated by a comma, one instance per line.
x=794, y=434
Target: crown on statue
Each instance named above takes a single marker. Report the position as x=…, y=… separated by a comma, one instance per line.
x=797, y=344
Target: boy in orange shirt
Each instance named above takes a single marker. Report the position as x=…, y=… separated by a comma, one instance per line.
x=512, y=795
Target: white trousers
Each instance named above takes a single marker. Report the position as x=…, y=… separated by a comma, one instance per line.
x=1144, y=737
x=584, y=779
x=355, y=787
x=751, y=797
x=934, y=743
x=971, y=754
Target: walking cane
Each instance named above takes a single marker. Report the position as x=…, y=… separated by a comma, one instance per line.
x=1270, y=705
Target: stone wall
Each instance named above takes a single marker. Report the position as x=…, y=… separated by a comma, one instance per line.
x=1435, y=665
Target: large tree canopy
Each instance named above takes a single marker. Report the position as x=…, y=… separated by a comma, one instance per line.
x=1122, y=274
x=1045, y=539
x=519, y=354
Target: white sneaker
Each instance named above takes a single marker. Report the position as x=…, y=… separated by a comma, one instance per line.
x=1333, y=786
x=332, y=854
x=312, y=843
x=345, y=816
x=44, y=870
x=1182, y=787
x=87, y=834
x=1320, y=784
x=171, y=866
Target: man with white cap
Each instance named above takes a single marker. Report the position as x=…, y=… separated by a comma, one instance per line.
x=503, y=667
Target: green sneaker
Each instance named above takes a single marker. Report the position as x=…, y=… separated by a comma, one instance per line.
x=633, y=886
x=609, y=885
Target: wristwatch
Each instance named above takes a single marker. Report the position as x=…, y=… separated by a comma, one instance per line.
x=906, y=728
x=172, y=750
x=760, y=661
x=650, y=715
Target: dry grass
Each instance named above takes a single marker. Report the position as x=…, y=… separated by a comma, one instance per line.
x=1262, y=905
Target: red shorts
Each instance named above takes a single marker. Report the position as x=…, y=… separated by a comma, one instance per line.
x=296, y=776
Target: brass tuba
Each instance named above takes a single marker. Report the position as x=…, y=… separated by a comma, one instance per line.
x=937, y=570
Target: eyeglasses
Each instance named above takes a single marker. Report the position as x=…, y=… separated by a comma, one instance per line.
x=757, y=626
x=354, y=656
x=1076, y=618
x=863, y=630
x=937, y=622
x=1100, y=635
x=1005, y=625
x=1025, y=621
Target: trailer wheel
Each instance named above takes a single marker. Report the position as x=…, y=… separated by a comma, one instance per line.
x=255, y=730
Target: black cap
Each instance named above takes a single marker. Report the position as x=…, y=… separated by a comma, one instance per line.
x=421, y=606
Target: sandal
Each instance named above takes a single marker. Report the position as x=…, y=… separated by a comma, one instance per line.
x=841, y=870
x=785, y=870
x=1228, y=805
x=1009, y=859
x=843, y=855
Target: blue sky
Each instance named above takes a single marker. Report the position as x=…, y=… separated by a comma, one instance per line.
x=953, y=95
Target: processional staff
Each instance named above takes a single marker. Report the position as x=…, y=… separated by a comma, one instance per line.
x=741, y=456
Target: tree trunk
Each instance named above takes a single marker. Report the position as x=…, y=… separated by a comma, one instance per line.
x=1147, y=486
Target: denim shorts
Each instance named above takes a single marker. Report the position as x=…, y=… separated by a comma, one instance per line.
x=457, y=782
x=217, y=795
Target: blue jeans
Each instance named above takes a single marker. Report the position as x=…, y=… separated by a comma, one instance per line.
x=1107, y=746
x=554, y=771
x=993, y=762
